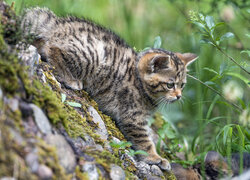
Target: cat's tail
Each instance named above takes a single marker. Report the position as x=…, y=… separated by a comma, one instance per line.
x=38, y=22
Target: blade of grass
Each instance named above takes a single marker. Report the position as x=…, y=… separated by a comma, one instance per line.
x=217, y=92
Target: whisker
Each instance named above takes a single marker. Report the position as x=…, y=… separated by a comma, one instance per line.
x=166, y=105
x=180, y=103
x=158, y=101
x=163, y=101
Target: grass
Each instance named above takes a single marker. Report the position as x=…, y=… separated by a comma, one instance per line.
x=205, y=119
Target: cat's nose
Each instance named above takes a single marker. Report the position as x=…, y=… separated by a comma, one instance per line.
x=178, y=96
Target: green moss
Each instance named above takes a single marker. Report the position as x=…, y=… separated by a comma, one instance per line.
x=109, y=123
x=81, y=175
x=8, y=70
x=112, y=128
x=105, y=158
x=11, y=159
x=169, y=176
x=50, y=79
x=11, y=26
x=74, y=123
x=100, y=174
x=158, y=121
x=48, y=156
x=8, y=80
x=16, y=117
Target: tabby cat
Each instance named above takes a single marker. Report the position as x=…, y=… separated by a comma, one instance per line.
x=126, y=85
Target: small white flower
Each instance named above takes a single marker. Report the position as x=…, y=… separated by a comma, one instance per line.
x=227, y=13
x=245, y=118
x=232, y=91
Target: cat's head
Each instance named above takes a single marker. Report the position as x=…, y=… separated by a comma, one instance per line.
x=163, y=73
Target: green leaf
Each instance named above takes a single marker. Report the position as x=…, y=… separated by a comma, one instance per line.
x=211, y=70
x=247, y=35
x=146, y=48
x=141, y=152
x=114, y=144
x=246, y=51
x=216, y=78
x=202, y=17
x=247, y=148
x=237, y=75
x=247, y=134
x=217, y=141
x=170, y=134
x=63, y=97
x=121, y=145
x=218, y=24
x=74, y=104
x=225, y=135
x=209, y=83
x=157, y=42
x=228, y=35
x=131, y=152
x=211, y=107
x=200, y=26
x=161, y=131
x=210, y=22
x=223, y=66
x=241, y=135
x=206, y=41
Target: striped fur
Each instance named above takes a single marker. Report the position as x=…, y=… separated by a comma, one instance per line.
x=126, y=84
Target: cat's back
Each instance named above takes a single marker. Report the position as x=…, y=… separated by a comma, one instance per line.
x=86, y=54
x=44, y=24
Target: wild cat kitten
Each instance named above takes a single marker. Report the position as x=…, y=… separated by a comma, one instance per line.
x=125, y=84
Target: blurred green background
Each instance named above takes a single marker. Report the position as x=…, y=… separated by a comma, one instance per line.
x=204, y=120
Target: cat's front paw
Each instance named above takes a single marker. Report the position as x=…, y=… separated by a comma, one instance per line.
x=159, y=161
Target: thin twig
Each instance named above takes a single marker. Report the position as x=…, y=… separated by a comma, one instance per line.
x=232, y=59
x=217, y=92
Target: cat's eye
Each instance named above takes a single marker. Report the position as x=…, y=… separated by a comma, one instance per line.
x=170, y=85
x=182, y=85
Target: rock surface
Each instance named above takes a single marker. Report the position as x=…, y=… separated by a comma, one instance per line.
x=91, y=170
x=116, y=173
x=44, y=172
x=101, y=129
x=64, y=151
x=41, y=120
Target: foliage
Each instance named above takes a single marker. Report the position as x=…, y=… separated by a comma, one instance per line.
x=120, y=145
x=123, y=145
x=73, y=104
x=133, y=153
x=233, y=135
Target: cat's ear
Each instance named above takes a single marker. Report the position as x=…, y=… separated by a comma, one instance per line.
x=159, y=62
x=187, y=58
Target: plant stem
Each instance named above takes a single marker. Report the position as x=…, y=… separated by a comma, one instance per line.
x=232, y=59
x=217, y=92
